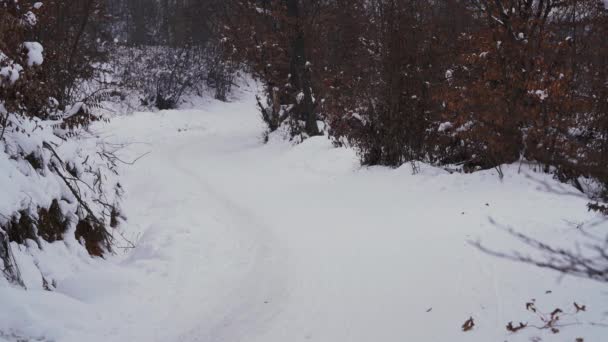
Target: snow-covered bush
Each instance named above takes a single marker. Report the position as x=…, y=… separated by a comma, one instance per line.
x=58, y=181
x=56, y=189
x=162, y=75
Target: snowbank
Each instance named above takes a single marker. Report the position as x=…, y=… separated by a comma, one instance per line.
x=45, y=179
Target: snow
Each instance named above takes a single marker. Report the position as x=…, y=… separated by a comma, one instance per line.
x=465, y=127
x=359, y=118
x=541, y=94
x=34, y=54
x=74, y=109
x=11, y=72
x=448, y=74
x=300, y=97
x=30, y=18
x=18, y=180
x=444, y=126
x=236, y=240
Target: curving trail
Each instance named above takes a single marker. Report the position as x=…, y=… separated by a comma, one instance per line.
x=241, y=241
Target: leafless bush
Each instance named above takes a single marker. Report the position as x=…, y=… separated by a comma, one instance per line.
x=221, y=70
x=76, y=41
x=162, y=75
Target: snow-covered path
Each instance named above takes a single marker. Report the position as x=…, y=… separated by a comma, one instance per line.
x=245, y=241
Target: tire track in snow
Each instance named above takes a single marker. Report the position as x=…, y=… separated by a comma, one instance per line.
x=258, y=297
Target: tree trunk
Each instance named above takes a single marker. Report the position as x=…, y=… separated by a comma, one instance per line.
x=301, y=72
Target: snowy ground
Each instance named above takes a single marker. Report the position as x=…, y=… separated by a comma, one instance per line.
x=241, y=241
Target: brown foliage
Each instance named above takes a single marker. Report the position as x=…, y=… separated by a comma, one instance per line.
x=505, y=79
x=521, y=89
x=551, y=321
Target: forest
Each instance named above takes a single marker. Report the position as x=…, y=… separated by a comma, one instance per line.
x=515, y=89
x=468, y=83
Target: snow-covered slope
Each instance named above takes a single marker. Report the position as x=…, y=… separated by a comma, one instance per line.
x=43, y=179
x=236, y=240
